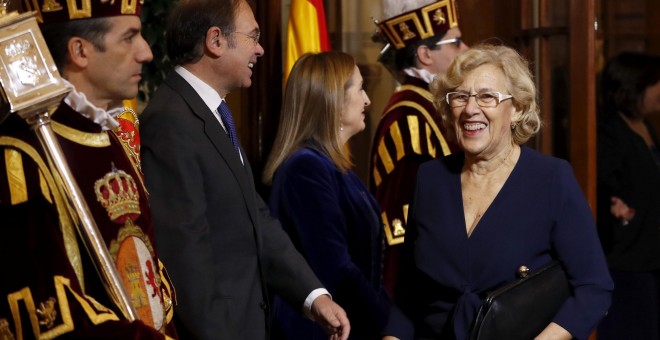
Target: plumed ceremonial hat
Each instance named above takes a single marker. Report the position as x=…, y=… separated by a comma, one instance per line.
x=55, y=11
x=412, y=26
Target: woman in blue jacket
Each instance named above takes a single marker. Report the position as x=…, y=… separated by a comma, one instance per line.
x=324, y=207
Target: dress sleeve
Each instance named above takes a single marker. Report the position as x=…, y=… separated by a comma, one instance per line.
x=577, y=245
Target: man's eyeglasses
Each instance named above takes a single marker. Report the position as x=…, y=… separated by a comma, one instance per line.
x=253, y=36
x=455, y=41
x=484, y=99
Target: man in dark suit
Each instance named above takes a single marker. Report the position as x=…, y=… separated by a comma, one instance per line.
x=223, y=249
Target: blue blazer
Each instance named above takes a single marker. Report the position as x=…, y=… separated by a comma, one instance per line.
x=334, y=222
x=540, y=214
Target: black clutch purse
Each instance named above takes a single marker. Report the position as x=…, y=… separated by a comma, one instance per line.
x=523, y=308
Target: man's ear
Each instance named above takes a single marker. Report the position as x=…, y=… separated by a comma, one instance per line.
x=424, y=55
x=78, y=50
x=215, y=42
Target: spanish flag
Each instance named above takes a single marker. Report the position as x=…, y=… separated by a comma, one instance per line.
x=306, y=32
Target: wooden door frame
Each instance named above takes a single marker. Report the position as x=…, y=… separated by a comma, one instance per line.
x=582, y=84
x=582, y=38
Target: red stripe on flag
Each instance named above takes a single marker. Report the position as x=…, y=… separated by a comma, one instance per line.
x=323, y=27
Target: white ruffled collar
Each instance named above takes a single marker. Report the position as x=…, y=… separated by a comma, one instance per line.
x=420, y=73
x=78, y=101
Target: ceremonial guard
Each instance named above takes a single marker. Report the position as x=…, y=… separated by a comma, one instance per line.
x=49, y=285
x=422, y=38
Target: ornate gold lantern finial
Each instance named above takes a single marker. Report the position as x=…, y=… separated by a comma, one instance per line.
x=3, y=6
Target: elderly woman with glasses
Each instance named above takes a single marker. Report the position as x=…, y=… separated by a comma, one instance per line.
x=479, y=214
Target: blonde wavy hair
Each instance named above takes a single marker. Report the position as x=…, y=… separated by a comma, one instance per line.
x=519, y=83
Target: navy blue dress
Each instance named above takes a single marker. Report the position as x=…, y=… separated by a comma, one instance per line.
x=540, y=214
x=334, y=222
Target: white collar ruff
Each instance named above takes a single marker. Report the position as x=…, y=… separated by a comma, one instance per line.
x=78, y=101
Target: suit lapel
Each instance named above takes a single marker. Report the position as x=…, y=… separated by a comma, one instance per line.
x=212, y=129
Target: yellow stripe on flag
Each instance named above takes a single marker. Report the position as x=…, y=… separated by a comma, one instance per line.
x=306, y=31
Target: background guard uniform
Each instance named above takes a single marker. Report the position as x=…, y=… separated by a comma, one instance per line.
x=409, y=133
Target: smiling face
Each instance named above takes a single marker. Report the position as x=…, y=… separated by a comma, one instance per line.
x=113, y=74
x=484, y=131
x=355, y=100
x=242, y=50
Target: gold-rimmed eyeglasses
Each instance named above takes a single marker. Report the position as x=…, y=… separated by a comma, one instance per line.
x=254, y=36
x=484, y=99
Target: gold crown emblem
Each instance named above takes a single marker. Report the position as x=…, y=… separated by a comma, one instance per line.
x=419, y=24
x=118, y=194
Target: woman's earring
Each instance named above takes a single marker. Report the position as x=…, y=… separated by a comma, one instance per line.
x=341, y=127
